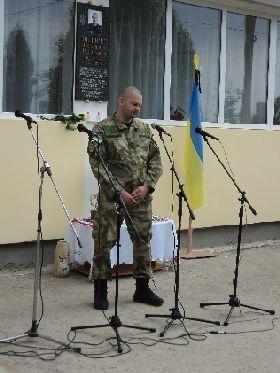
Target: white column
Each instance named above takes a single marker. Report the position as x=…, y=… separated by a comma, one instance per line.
x=223, y=60
x=271, y=73
x=168, y=53
x=1, y=52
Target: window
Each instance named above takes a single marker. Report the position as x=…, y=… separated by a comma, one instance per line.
x=38, y=50
x=276, y=119
x=246, y=69
x=137, y=52
x=234, y=58
x=195, y=30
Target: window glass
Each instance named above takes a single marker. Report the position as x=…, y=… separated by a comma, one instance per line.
x=38, y=55
x=137, y=50
x=246, y=69
x=276, y=119
x=195, y=30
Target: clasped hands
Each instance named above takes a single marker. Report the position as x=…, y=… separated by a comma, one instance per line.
x=136, y=196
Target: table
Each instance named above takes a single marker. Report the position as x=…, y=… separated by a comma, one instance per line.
x=163, y=243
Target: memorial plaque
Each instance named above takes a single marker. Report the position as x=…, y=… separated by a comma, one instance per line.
x=92, y=53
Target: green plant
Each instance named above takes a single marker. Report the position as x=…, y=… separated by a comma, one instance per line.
x=69, y=120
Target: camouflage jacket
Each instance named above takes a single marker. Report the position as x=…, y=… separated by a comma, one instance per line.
x=130, y=154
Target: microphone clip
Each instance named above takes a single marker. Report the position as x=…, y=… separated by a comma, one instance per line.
x=205, y=134
x=160, y=129
x=27, y=118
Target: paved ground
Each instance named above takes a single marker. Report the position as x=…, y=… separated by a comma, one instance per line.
x=251, y=342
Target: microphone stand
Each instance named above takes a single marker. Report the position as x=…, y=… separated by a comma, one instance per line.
x=114, y=321
x=175, y=311
x=33, y=332
x=233, y=298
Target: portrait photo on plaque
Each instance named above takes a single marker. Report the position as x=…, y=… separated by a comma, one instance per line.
x=92, y=53
x=95, y=27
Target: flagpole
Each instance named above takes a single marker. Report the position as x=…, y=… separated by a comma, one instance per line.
x=190, y=253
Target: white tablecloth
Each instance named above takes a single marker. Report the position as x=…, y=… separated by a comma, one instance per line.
x=163, y=243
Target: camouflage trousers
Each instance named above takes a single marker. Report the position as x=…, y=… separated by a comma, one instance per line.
x=105, y=237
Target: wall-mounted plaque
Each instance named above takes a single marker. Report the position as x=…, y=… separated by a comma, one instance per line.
x=92, y=53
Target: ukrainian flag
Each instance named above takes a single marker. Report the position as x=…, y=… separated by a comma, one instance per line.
x=193, y=159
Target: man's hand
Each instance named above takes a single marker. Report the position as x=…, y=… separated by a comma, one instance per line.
x=127, y=198
x=140, y=193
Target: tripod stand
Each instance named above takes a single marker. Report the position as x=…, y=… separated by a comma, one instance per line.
x=233, y=298
x=175, y=311
x=33, y=332
x=114, y=321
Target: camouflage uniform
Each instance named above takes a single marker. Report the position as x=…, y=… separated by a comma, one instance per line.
x=133, y=159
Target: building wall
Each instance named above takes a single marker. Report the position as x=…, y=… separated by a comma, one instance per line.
x=254, y=157
x=64, y=150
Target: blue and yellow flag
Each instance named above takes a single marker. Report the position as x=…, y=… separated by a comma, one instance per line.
x=193, y=160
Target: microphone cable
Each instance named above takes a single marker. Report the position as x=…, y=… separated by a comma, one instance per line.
x=173, y=202
x=243, y=239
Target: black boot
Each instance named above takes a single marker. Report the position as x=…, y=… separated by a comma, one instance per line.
x=143, y=294
x=100, y=294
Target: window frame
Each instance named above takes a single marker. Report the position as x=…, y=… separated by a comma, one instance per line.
x=1, y=52
x=271, y=70
x=224, y=7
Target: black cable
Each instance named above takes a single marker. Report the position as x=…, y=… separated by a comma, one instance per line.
x=102, y=354
x=106, y=317
x=141, y=340
x=226, y=157
x=146, y=341
x=37, y=148
x=262, y=315
x=179, y=340
x=40, y=280
x=245, y=210
x=246, y=331
x=49, y=354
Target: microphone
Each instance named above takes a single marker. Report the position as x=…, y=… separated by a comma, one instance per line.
x=205, y=134
x=20, y=114
x=160, y=129
x=82, y=128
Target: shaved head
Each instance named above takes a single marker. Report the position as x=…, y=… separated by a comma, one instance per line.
x=129, y=103
x=129, y=91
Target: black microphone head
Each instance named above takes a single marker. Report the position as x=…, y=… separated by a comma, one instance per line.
x=81, y=128
x=197, y=130
x=157, y=127
x=18, y=113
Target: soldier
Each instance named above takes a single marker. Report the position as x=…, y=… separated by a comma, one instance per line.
x=133, y=159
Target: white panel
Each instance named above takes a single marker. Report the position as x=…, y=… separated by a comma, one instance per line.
x=222, y=86
x=168, y=54
x=97, y=111
x=91, y=185
x=1, y=51
x=271, y=73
